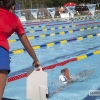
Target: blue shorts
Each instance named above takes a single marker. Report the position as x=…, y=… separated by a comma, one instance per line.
x=4, y=59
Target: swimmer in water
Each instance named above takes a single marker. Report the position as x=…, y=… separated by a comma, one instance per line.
x=67, y=79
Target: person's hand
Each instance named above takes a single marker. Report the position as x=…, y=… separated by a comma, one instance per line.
x=36, y=64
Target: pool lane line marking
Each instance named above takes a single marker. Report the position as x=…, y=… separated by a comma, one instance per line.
x=44, y=27
x=75, y=19
x=82, y=20
x=64, y=41
x=49, y=23
x=59, y=27
x=52, y=29
x=53, y=34
x=81, y=57
x=75, y=54
x=56, y=20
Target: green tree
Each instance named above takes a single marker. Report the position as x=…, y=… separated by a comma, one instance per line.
x=27, y=4
x=49, y=3
x=58, y=3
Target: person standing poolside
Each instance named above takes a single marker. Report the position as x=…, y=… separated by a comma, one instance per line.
x=9, y=23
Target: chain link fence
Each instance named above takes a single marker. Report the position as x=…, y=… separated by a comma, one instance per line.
x=30, y=4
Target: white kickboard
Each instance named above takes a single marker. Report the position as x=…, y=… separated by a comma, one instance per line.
x=34, y=80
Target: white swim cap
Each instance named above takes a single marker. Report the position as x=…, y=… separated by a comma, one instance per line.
x=62, y=79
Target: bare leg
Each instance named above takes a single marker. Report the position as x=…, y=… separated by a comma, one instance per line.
x=66, y=74
x=3, y=79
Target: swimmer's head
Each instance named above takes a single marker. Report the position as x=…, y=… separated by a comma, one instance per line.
x=62, y=79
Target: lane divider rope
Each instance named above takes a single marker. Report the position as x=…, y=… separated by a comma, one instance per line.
x=79, y=38
x=53, y=34
x=75, y=19
x=84, y=56
x=60, y=27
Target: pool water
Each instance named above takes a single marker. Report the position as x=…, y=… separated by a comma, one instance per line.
x=59, y=53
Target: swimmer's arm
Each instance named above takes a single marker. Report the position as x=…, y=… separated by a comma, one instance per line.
x=61, y=88
x=58, y=90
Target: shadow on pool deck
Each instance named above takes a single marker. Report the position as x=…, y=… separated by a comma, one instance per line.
x=8, y=99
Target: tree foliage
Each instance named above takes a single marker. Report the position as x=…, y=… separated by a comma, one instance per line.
x=57, y=3
x=48, y=3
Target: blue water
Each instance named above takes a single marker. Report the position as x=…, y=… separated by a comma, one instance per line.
x=55, y=54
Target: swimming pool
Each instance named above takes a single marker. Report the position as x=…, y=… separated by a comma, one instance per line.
x=66, y=43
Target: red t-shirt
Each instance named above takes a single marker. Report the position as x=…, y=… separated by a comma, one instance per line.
x=9, y=23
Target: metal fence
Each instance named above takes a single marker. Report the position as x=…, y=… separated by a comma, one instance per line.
x=42, y=13
x=25, y=5
x=30, y=4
